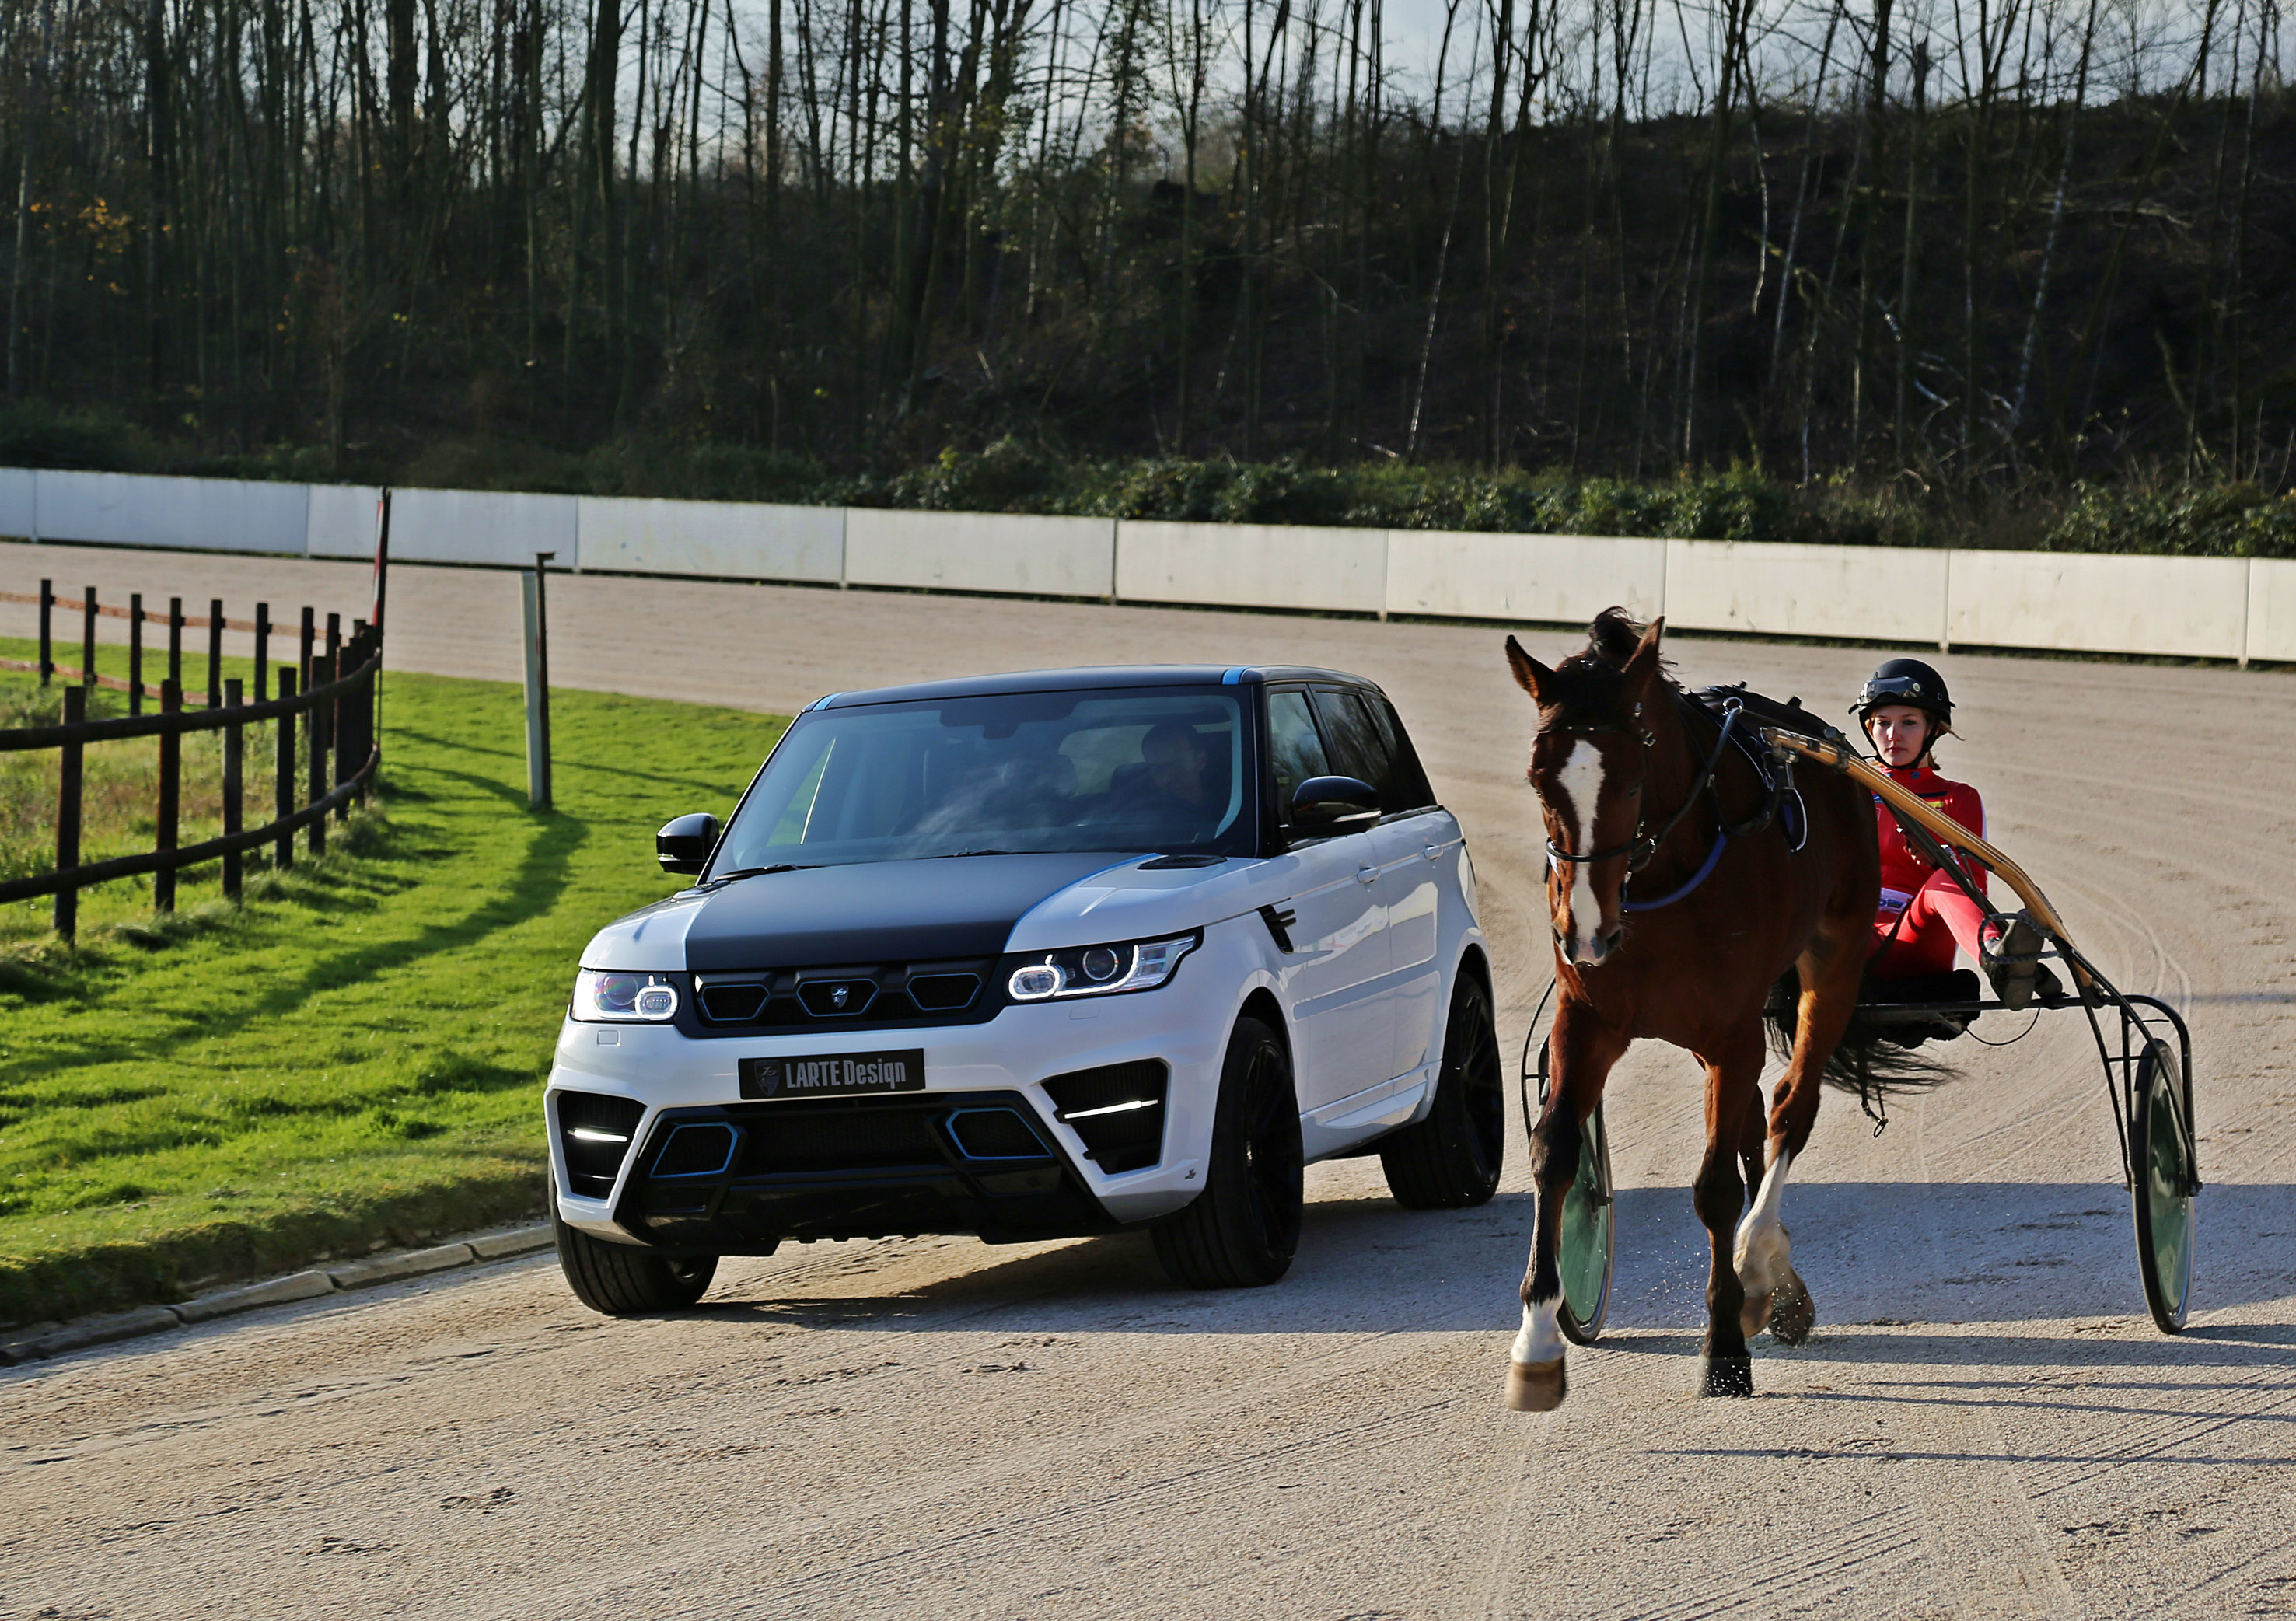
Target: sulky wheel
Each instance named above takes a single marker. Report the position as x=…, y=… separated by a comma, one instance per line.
x=1589, y=1246
x=2160, y=1143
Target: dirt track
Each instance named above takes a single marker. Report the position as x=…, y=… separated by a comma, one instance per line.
x=1984, y=1423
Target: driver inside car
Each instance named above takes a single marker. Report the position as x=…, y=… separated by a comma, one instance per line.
x=1925, y=913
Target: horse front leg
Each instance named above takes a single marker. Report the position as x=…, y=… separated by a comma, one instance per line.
x=1734, y=1074
x=1580, y=1053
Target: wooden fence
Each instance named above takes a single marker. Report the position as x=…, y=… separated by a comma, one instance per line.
x=332, y=683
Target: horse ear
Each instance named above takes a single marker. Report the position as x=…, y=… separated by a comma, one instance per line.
x=1529, y=672
x=1642, y=664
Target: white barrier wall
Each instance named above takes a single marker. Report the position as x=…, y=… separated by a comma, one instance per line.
x=980, y=551
x=462, y=526
x=1252, y=565
x=342, y=521
x=1553, y=578
x=2200, y=607
x=721, y=539
x=132, y=510
x=18, y=503
x=2271, y=609
x=2193, y=606
x=1882, y=593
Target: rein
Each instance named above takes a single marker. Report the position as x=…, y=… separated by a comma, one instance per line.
x=1644, y=845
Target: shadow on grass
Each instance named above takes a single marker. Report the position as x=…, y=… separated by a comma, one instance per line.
x=529, y=889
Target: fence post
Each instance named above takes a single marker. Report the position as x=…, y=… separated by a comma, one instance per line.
x=350, y=753
x=283, y=851
x=171, y=774
x=303, y=661
x=47, y=646
x=87, y=636
x=234, y=762
x=322, y=672
x=135, y=653
x=68, y=795
x=175, y=640
x=215, y=653
x=537, y=687
x=262, y=648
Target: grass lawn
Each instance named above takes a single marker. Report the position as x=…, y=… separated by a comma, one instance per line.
x=355, y=1056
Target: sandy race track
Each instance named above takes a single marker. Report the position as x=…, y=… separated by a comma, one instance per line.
x=1984, y=1423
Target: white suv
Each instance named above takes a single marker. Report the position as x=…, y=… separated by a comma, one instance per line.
x=1034, y=956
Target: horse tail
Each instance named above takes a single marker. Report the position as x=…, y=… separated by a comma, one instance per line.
x=1866, y=1061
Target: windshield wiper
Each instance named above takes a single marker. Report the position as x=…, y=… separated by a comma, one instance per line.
x=779, y=866
x=951, y=855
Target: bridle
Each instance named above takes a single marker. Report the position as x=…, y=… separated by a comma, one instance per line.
x=1644, y=847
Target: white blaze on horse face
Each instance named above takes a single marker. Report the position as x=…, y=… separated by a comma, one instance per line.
x=1579, y=781
x=1541, y=1340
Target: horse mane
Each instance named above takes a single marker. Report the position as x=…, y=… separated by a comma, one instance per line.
x=1587, y=682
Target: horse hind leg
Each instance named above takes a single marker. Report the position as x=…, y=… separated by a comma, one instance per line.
x=1775, y=1294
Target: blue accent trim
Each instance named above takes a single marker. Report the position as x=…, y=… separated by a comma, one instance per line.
x=1234, y=677
x=824, y=703
x=1713, y=859
x=732, y=1142
x=1043, y=1152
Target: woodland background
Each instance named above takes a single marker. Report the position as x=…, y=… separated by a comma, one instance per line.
x=2008, y=271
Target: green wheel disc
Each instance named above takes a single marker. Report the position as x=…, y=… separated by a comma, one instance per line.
x=1589, y=1237
x=2161, y=1144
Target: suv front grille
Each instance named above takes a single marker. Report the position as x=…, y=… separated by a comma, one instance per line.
x=878, y=996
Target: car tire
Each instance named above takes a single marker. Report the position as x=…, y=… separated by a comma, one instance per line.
x=1243, y=1229
x=625, y=1281
x=1452, y=1159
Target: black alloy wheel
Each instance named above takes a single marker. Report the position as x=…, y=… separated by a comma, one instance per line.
x=1452, y=1159
x=626, y=1280
x=1243, y=1229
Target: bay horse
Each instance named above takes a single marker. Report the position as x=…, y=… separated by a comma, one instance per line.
x=1671, y=922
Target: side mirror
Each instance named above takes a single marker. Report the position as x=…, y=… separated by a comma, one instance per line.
x=684, y=844
x=1333, y=799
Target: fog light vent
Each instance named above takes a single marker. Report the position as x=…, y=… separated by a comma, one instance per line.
x=593, y=1131
x=1117, y=1110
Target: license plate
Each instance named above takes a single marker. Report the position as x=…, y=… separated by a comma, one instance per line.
x=833, y=1074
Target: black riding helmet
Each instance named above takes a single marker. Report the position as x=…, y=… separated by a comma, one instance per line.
x=1911, y=683
x=1908, y=681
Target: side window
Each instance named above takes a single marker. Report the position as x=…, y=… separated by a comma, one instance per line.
x=1358, y=748
x=1411, y=790
x=1294, y=750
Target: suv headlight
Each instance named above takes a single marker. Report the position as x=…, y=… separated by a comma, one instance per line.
x=624, y=998
x=1099, y=971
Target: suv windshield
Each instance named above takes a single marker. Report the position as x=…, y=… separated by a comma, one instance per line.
x=1158, y=768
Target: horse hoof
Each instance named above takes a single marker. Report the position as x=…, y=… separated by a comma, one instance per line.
x=1726, y=1375
x=1755, y=1314
x=1792, y=1313
x=1535, y=1386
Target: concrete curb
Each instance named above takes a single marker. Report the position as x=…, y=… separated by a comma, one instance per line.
x=58, y=1339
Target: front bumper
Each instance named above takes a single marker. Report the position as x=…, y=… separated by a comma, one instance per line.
x=749, y=1174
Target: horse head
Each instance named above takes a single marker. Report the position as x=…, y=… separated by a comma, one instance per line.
x=1587, y=763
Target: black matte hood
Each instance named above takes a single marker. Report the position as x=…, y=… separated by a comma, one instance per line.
x=877, y=912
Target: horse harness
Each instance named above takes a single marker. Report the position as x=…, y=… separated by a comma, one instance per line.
x=1781, y=802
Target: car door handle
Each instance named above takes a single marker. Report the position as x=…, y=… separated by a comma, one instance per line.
x=1366, y=875
x=1433, y=853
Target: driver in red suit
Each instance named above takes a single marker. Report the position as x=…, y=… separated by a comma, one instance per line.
x=1925, y=914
